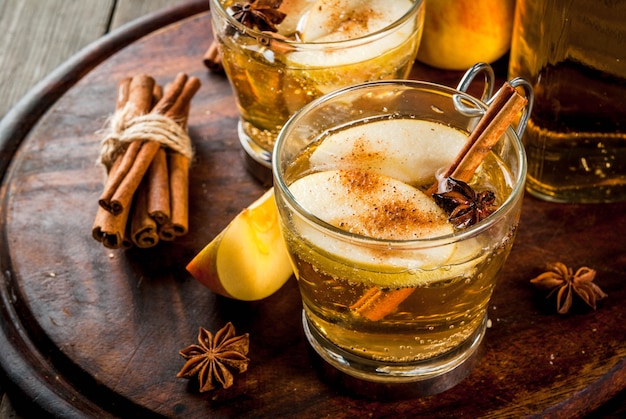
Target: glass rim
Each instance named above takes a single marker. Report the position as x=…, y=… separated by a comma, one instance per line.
x=297, y=45
x=505, y=207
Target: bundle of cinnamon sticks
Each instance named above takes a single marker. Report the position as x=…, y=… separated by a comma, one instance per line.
x=146, y=155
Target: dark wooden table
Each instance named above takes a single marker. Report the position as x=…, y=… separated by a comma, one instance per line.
x=86, y=331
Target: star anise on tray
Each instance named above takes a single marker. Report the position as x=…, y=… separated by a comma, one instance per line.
x=464, y=206
x=562, y=280
x=215, y=358
x=262, y=15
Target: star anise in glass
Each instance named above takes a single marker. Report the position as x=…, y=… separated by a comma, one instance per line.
x=262, y=15
x=464, y=206
x=562, y=278
x=215, y=358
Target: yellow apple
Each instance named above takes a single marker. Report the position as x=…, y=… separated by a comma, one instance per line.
x=460, y=33
x=248, y=260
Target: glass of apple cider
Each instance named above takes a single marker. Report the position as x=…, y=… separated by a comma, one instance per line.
x=392, y=291
x=319, y=46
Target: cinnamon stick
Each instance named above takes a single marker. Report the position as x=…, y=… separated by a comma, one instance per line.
x=376, y=304
x=178, y=176
x=143, y=228
x=179, y=110
x=502, y=111
x=157, y=94
x=212, y=59
x=166, y=232
x=179, y=190
x=123, y=92
x=171, y=95
x=178, y=166
x=158, y=189
x=123, y=196
x=110, y=229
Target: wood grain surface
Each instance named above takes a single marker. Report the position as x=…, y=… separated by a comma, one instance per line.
x=90, y=332
x=38, y=36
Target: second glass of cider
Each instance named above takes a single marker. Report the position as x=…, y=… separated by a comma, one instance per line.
x=319, y=46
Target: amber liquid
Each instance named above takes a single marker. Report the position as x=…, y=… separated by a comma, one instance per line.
x=445, y=310
x=436, y=318
x=576, y=138
x=270, y=87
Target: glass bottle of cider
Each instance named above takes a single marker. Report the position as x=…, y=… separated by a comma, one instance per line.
x=574, y=54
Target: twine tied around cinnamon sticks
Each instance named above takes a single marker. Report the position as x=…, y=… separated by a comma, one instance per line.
x=146, y=153
x=149, y=127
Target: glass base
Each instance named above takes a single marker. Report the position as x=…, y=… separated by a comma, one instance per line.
x=258, y=160
x=426, y=377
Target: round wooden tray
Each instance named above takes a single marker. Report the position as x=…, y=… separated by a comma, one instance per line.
x=87, y=331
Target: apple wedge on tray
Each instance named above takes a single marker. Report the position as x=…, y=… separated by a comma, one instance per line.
x=248, y=260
